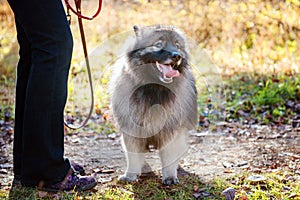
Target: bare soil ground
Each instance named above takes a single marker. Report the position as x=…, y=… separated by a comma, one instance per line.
x=229, y=151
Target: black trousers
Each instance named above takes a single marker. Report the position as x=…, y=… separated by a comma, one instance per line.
x=45, y=53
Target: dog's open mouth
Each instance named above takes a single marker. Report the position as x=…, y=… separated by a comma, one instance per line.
x=168, y=70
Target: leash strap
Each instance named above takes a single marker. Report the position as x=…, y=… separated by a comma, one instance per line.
x=84, y=46
x=78, y=11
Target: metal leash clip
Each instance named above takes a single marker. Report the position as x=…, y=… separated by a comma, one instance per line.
x=68, y=16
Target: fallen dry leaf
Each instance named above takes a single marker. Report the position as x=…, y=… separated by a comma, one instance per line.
x=256, y=178
x=229, y=193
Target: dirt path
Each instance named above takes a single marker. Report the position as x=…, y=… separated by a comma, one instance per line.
x=256, y=149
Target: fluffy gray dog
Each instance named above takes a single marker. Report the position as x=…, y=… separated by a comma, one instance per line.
x=154, y=99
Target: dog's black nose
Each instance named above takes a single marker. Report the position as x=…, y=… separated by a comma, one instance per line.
x=175, y=56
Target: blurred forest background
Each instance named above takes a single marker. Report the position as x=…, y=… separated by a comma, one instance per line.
x=254, y=44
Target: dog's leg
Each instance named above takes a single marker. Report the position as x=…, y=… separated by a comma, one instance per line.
x=135, y=162
x=170, y=155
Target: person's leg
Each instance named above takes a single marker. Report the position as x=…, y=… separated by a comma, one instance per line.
x=46, y=28
x=23, y=69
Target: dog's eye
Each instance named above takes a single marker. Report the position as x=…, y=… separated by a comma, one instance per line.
x=177, y=44
x=158, y=44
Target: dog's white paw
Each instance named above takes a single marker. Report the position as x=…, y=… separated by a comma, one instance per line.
x=127, y=178
x=170, y=181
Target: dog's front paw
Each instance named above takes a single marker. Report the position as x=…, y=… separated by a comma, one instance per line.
x=127, y=178
x=170, y=181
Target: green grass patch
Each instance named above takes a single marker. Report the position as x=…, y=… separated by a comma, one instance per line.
x=275, y=185
x=146, y=188
x=255, y=99
x=262, y=98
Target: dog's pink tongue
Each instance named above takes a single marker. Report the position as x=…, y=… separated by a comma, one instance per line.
x=169, y=72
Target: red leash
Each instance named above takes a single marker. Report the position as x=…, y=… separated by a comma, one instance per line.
x=78, y=10
x=80, y=17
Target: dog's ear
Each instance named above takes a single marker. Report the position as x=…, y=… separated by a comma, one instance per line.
x=137, y=30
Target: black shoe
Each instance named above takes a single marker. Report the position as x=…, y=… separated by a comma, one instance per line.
x=72, y=182
x=75, y=166
x=78, y=168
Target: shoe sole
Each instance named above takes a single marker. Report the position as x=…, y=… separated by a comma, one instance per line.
x=83, y=188
x=87, y=187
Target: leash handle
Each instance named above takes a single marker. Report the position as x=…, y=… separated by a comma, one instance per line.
x=78, y=10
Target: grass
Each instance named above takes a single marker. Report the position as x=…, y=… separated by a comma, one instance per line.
x=265, y=99
x=262, y=99
x=275, y=185
x=146, y=188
